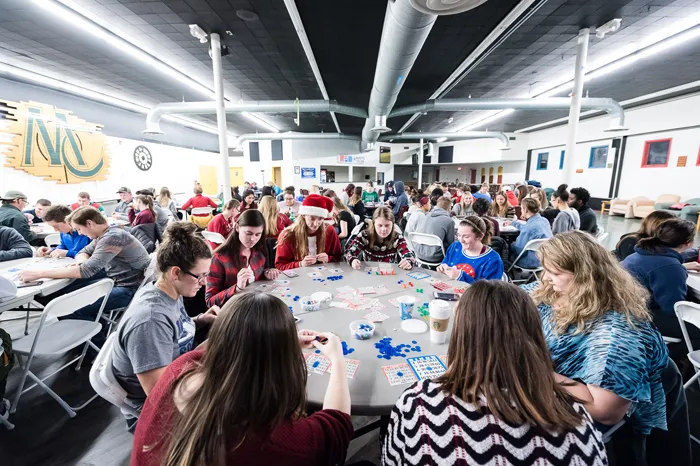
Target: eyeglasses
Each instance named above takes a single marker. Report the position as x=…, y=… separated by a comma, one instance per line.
x=199, y=278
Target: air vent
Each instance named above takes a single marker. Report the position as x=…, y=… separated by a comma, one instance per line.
x=445, y=7
x=512, y=138
x=247, y=15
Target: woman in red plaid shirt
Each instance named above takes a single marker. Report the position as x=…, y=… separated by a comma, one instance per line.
x=240, y=260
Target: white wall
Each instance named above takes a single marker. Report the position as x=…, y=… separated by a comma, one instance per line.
x=261, y=172
x=513, y=171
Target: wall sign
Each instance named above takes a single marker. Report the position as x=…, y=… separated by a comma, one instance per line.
x=359, y=159
x=308, y=172
x=598, y=157
x=656, y=153
x=297, y=170
x=54, y=144
x=682, y=161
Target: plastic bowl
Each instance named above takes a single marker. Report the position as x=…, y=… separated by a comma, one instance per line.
x=309, y=305
x=362, y=329
x=323, y=298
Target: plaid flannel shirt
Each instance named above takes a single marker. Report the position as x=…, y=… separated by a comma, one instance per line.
x=223, y=275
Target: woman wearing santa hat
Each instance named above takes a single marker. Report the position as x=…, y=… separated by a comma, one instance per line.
x=309, y=240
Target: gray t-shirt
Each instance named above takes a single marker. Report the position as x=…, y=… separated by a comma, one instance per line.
x=119, y=254
x=153, y=332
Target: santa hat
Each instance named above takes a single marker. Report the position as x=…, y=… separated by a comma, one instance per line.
x=316, y=205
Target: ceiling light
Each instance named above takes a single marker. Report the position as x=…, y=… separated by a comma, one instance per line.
x=493, y=117
x=611, y=26
x=439, y=140
x=256, y=119
x=198, y=33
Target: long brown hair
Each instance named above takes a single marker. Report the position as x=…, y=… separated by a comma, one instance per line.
x=148, y=202
x=269, y=210
x=517, y=379
x=498, y=211
x=374, y=239
x=650, y=224
x=672, y=233
x=599, y=285
x=522, y=192
x=232, y=246
x=356, y=197
x=254, y=336
x=298, y=234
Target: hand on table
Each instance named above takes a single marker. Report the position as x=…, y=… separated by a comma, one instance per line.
x=29, y=275
x=322, y=258
x=692, y=266
x=243, y=277
x=272, y=274
x=356, y=264
x=210, y=316
x=452, y=272
x=306, y=338
x=58, y=253
x=332, y=349
x=507, y=223
x=405, y=264
x=308, y=260
x=43, y=251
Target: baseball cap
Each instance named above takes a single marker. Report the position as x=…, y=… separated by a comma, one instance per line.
x=123, y=189
x=12, y=195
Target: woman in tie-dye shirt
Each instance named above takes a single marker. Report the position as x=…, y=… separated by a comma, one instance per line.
x=600, y=334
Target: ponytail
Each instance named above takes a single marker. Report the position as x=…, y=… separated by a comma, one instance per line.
x=672, y=233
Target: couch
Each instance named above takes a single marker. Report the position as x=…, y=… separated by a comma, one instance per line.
x=642, y=208
x=689, y=212
x=624, y=206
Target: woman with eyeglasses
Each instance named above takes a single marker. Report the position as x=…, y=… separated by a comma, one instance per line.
x=155, y=329
x=239, y=261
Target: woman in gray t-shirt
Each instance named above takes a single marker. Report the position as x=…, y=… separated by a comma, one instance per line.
x=567, y=219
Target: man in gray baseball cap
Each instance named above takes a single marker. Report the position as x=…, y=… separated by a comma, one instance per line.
x=11, y=213
x=121, y=211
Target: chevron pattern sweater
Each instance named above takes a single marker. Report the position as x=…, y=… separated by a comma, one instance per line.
x=430, y=427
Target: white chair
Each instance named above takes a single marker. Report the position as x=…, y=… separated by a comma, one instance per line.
x=54, y=239
x=689, y=312
x=532, y=245
x=202, y=210
x=425, y=239
x=57, y=337
x=357, y=219
x=214, y=237
x=505, y=278
x=105, y=383
x=601, y=235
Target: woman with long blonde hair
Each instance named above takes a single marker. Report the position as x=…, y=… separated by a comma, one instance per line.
x=165, y=200
x=274, y=221
x=605, y=349
x=309, y=240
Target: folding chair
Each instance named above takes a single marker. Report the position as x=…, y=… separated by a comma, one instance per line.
x=601, y=235
x=505, y=278
x=57, y=337
x=689, y=312
x=425, y=239
x=532, y=245
x=105, y=383
x=54, y=239
x=214, y=237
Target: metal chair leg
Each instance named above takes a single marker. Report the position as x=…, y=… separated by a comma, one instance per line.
x=53, y=395
x=26, y=323
x=23, y=379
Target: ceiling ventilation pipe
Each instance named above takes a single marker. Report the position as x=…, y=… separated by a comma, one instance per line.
x=270, y=106
x=450, y=136
x=613, y=108
x=403, y=35
x=294, y=136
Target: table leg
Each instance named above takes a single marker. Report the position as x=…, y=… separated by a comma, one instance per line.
x=605, y=205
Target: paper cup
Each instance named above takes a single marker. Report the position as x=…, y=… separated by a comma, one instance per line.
x=439, y=320
x=406, y=304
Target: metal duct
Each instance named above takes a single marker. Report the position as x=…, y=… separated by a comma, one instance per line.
x=269, y=106
x=293, y=136
x=613, y=108
x=450, y=136
x=404, y=32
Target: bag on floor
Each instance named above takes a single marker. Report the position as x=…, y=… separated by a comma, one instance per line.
x=7, y=359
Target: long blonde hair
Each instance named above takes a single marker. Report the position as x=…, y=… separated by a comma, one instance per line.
x=599, y=284
x=298, y=235
x=541, y=197
x=165, y=197
x=268, y=207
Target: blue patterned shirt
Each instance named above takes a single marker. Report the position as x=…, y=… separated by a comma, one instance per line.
x=615, y=356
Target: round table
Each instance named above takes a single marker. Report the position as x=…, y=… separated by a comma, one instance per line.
x=370, y=391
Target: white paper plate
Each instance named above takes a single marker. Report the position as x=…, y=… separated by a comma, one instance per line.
x=414, y=326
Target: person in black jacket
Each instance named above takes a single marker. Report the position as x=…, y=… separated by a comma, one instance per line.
x=578, y=199
x=13, y=246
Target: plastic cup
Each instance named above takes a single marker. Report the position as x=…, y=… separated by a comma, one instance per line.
x=406, y=303
x=439, y=320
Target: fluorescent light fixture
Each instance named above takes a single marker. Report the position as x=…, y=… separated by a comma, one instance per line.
x=257, y=120
x=495, y=115
x=439, y=140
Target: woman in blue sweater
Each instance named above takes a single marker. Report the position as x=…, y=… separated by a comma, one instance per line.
x=534, y=227
x=470, y=258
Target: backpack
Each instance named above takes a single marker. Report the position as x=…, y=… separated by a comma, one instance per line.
x=7, y=360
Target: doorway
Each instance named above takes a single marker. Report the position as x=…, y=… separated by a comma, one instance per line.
x=277, y=176
x=236, y=176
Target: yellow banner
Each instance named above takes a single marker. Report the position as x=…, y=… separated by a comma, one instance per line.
x=53, y=143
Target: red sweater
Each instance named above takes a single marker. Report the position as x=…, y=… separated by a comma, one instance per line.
x=199, y=201
x=144, y=216
x=221, y=225
x=287, y=257
x=512, y=198
x=320, y=439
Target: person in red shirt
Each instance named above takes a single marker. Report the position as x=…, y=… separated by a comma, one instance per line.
x=202, y=411
x=274, y=221
x=240, y=260
x=512, y=197
x=201, y=220
x=83, y=200
x=146, y=212
x=223, y=223
x=309, y=240
x=248, y=200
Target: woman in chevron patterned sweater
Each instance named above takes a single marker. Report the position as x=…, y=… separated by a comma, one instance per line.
x=498, y=403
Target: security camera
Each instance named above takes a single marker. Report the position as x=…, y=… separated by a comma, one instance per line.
x=611, y=26
x=198, y=33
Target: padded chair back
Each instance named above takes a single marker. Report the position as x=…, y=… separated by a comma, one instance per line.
x=202, y=210
x=213, y=237
x=672, y=198
x=54, y=239
x=425, y=239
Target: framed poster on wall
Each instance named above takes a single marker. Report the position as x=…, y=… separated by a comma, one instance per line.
x=384, y=154
x=542, y=160
x=656, y=153
x=598, y=157
x=308, y=172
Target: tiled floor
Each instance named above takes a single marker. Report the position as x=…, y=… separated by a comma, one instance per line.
x=45, y=435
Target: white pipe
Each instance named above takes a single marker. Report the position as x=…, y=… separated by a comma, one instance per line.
x=294, y=136
x=575, y=109
x=224, y=177
x=467, y=135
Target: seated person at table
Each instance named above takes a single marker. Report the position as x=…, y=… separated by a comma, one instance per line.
x=568, y=218
x=401, y=199
x=289, y=204
x=578, y=199
x=201, y=220
x=155, y=329
x=163, y=215
x=471, y=258
x=36, y=215
x=417, y=218
x=203, y=411
x=71, y=243
x=379, y=242
x=248, y=200
x=534, y=227
x=463, y=207
x=344, y=220
x=512, y=197
x=240, y=260
x=146, y=213
x=346, y=193
x=501, y=208
x=650, y=225
x=274, y=221
x=506, y=405
x=355, y=203
x=389, y=192
x=310, y=240
x=13, y=246
x=124, y=206
x=369, y=194
x=605, y=349
x=166, y=201
x=223, y=222
x=483, y=193
x=112, y=250
x=11, y=215
x=658, y=265
x=482, y=208
x=437, y=222
x=84, y=200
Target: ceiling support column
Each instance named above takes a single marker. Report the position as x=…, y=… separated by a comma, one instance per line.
x=575, y=109
x=420, y=165
x=224, y=178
